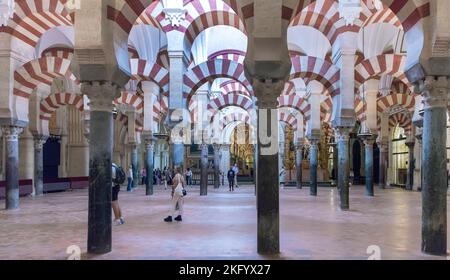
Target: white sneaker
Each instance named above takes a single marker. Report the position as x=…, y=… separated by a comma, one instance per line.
x=118, y=222
x=122, y=220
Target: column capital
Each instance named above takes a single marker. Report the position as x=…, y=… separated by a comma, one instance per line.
x=101, y=95
x=176, y=16
x=369, y=142
x=39, y=141
x=11, y=133
x=435, y=92
x=343, y=134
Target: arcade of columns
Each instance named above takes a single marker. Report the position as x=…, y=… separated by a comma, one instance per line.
x=111, y=78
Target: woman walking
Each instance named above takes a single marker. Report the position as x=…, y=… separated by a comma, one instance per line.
x=177, y=197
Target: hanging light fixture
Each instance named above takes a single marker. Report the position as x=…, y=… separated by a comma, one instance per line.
x=6, y=11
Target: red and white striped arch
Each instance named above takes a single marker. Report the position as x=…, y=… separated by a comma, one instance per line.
x=406, y=101
x=211, y=70
x=324, y=16
x=228, y=100
x=360, y=109
x=160, y=108
x=202, y=14
x=133, y=100
x=408, y=12
x=163, y=58
x=40, y=71
x=313, y=68
x=289, y=88
x=55, y=101
x=153, y=15
x=143, y=70
x=386, y=64
x=401, y=119
x=32, y=18
x=234, y=55
x=326, y=109
x=288, y=118
x=235, y=117
x=385, y=15
x=232, y=86
x=399, y=86
x=65, y=53
x=123, y=119
x=295, y=102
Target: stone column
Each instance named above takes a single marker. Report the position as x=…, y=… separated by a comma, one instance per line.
x=384, y=154
x=101, y=95
x=335, y=163
x=149, y=142
x=63, y=157
x=226, y=160
x=204, y=170
x=369, y=142
x=342, y=139
x=434, y=156
x=411, y=166
x=217, y=157
x=134, y=164
x=26, y=155
x=268, y=190
x=39, y=141
x=298, y=164
x=176, y=100
x=313, y=159
x=11, y=135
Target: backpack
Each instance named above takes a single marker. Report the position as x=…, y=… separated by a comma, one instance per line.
x=120, y=175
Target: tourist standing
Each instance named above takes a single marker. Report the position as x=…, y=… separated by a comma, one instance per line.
x=231, y=178
x=177, y=197
x=117, y=180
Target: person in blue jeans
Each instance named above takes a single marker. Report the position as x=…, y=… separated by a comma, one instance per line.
x=130, y=179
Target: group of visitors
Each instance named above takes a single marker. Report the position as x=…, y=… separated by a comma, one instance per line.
x=174, y=178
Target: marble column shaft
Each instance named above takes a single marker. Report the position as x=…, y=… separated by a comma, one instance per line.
x=313, y=159
x=217, y=157
x=149, y=165
x=369, y=166
x=434, y=155
x=204, y=170
x=101, y=95
x=411, y=167
x=39, y=141
x=11, y=134
x=343, y=167
x=384, y=155
x=298, y=165
x=268, y=204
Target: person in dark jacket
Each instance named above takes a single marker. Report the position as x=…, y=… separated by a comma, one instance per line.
x=231, y=177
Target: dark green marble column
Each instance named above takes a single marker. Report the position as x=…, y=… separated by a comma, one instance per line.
x=204, y=170
x=298, y=165
x=101, y=95
x=342, y=139
x=434, y=155
x=11, y=134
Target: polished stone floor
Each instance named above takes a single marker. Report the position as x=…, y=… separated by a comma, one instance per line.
x=220, y=226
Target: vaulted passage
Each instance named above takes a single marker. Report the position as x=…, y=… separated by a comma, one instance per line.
x=299, y=129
